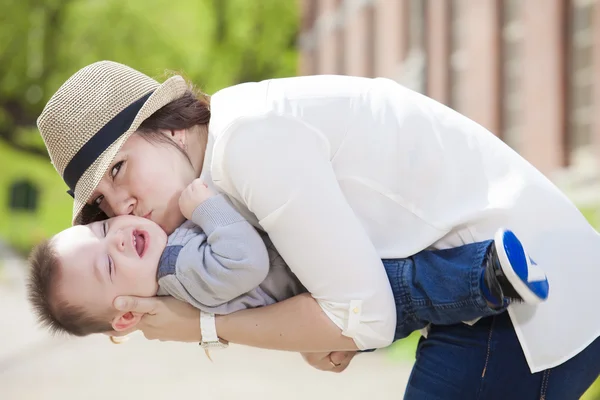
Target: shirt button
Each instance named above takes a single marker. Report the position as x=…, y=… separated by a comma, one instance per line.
x=355, y=310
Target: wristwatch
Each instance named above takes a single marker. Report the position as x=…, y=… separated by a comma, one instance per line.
x=208, y=329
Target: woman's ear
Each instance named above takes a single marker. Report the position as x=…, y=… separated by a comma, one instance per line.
x=178, y=136
x=125, y=321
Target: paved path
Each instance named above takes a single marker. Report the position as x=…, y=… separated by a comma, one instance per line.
x=35, y=366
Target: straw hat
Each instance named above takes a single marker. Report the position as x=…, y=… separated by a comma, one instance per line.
x=90, y=117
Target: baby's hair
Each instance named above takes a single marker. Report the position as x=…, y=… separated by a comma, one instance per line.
x=58, y=316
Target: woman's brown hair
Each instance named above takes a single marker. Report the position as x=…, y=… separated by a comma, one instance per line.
x=193, y=108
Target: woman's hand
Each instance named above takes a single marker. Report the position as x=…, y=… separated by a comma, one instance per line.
x=165, y=319
x=335, y=361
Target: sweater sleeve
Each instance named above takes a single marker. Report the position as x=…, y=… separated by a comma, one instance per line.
x=229, y=260
x=280, y=168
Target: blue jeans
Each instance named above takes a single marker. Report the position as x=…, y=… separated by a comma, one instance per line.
x=440, y=287
x=483, y=361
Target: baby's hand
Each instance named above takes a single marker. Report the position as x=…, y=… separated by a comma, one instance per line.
x=195, y=194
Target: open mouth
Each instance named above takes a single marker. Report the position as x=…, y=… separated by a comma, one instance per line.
x=140, y=242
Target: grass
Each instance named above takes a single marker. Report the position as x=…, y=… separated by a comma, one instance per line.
x=22, y=230
x=404, y=350
x=592, y=215
x=593, y=392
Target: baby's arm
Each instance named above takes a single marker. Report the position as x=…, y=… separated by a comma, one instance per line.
x=229, y=260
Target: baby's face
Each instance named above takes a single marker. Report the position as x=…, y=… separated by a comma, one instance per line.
x=106, y=259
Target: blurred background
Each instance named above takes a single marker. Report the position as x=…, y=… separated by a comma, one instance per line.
x=528, y=70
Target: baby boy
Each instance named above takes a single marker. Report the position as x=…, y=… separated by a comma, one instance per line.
x=216, y=261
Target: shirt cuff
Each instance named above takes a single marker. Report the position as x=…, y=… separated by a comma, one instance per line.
x=349, y=317
x=215, y=212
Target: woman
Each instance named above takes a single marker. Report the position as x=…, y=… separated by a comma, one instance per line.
x=340, y=172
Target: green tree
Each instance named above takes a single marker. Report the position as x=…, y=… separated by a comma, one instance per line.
x=215, y=42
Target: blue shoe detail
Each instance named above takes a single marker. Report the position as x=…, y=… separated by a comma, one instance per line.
x=531, y=261
x=540, y=288
x=516, y=254
x=527, y=278
x=487, y=294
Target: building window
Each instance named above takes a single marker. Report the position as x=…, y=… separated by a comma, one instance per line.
x=309, y=14
x=512, y=70
x=416, y=25
x=580, y=77
x=414, y=71
x=340, y=45
x=458, y=54
x=370, y=42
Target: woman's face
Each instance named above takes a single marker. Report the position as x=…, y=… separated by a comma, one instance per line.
x=146, y=179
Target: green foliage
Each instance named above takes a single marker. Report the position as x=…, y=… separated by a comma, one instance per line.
x=215, y=43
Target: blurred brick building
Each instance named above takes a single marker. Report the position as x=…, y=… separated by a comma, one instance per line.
x=528, y=70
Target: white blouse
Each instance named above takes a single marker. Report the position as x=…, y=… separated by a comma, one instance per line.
x=343, y=171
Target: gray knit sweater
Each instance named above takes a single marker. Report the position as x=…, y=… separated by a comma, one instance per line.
x=218, y=262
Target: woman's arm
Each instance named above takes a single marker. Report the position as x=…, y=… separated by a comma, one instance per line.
x=296, y=324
